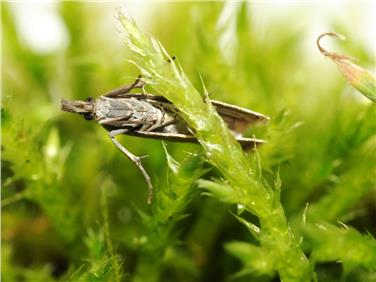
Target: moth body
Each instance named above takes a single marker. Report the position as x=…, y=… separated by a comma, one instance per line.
x=150, y=116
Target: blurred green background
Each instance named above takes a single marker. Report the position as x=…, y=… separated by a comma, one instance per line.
x=55, y=165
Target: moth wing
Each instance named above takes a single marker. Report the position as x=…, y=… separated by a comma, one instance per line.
x=246, y=143
x=249, y=143
x=144, y=96
x=238, y=119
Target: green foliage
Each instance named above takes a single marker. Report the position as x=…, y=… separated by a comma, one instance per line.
x=103, y=264
x=331, y=243
x=74, y=209
x=255, y=259
x=167, y=209
x=222, y=151
x=35, y=172
x=100, y=264
x=12, y=272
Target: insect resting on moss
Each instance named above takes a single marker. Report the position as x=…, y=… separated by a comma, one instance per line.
x=151, y=116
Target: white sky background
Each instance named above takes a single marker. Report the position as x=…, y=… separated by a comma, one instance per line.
x=41, y=28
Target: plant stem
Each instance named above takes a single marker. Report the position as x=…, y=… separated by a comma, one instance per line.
x=222, y=151
x=168, y=208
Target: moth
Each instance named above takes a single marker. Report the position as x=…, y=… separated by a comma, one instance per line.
x=151, y=116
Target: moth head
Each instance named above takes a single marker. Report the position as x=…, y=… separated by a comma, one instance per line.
x=85, y=108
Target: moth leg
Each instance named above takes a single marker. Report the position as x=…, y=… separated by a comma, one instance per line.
x=163, y=122
x=143, y=89
x=136, y=160
x=139, y=83
x=110, y=121
x=174, y=120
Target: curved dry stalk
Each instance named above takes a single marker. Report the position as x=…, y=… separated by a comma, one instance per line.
x=361, y=79
x=326, y=53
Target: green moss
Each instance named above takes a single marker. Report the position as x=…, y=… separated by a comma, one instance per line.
x=222, y=151
x=299, y=207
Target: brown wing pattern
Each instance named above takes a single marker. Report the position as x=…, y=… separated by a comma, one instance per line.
x=238, y=119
